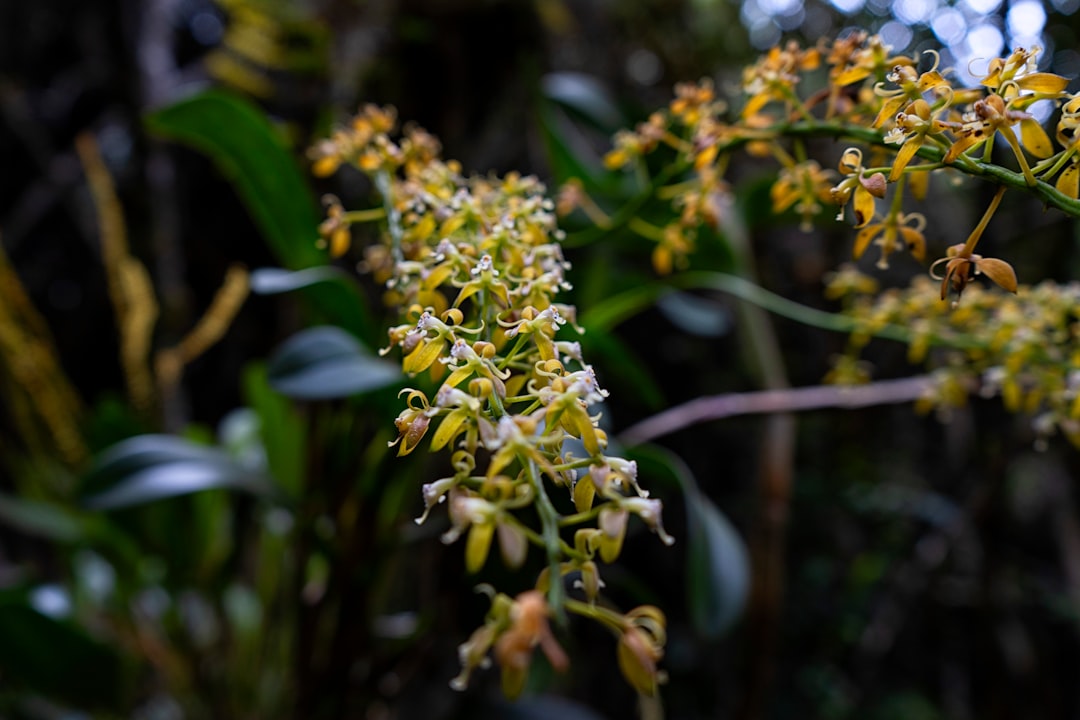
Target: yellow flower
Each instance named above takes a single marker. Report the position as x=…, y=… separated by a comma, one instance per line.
x=960, y=269
x=893, y=234
x=641, y=647
x=912, y=126
x=413, y=421
x=858, y=186
x=802, y=186
x=529, y=628
x=334, y=230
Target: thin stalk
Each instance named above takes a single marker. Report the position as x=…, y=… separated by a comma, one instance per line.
x=384, y=184
x=358, y=216
x=549, y=521
x=973, y=238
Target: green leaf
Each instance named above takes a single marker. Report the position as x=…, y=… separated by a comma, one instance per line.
x=284, y=435
x=252, y=154
x=585, y=95
x=622, y=364
x=718, y=567
x=695, y=315
x=717, y=562
x=616, y=309
x=56, y=659
x=570, y=158
x=154, y=467
x=323, y=363
x=41, y=519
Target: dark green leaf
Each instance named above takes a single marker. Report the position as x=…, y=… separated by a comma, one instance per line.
x=622, y=364
x=153, y=467
x=41, y=519
x=271, y=281
x=695, y=315
x=57, y=660
x=718, y=569
x=717, y=563
x=284, y=436
x=587, y=96
x=569, y=158
x=252, y=154
x=323, y=363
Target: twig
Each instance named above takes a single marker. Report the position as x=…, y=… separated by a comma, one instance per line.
x=717, y=407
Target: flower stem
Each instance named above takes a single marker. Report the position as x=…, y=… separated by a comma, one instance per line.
x=973, y=238
x=549, y=521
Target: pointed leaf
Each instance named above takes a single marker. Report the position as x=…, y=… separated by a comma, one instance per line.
x=252, y=154
x=40, y=519
x=56, y=659
x=146, y=468
x=587, y=96
x=326, y=362
x=284, y=435
x=718, y=568
x=272, y=281
x=695, y=315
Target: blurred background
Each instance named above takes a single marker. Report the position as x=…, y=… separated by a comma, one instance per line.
x=912, y=567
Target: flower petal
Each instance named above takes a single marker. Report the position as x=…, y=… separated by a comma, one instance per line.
x=903, y=157
x=864, y=206
x=1069, y=181
x=1043, y=82
x=1035, y=139
x=915, y=242
x=862, y=240
x=999, y=271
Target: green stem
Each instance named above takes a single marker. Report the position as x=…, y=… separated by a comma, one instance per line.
x=384, y=184
x=358, y=216
x=549, y=522
x=595, y=612
x=646, y=229
x=966, y=164
x=581, y=517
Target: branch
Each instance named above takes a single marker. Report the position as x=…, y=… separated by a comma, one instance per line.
x=717, y=407
x=966, y=164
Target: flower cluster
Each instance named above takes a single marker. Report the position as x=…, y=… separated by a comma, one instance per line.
x=1023, y=347
x=474, y=266
x=897, y=107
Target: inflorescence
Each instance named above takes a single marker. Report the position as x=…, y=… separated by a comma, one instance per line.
x=475, y=265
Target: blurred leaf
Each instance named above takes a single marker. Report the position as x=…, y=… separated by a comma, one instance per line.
x=41, y=519
x=622, y=363
x=272, y=281
x=587, y=96
x=616, y=309
x=56, y=659
x=153, y=467
x=695, y=315
x=540, y=707
x=252, y=154
x=718, y=569
x=284, y=435
x=323, y=363
x=717, y=562
x=569, y=157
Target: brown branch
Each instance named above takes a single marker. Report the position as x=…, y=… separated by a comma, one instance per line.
x=717, y=407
